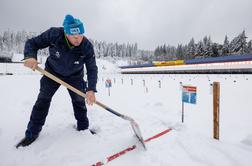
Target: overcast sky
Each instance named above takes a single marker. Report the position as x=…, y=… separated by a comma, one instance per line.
x=147, y=22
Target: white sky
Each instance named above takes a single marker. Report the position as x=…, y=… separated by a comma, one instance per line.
x=147, y=22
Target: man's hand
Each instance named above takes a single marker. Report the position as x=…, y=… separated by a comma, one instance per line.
x=90, y=97
x=31, y=63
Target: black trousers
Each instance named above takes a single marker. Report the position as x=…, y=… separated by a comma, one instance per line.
x=40, y=110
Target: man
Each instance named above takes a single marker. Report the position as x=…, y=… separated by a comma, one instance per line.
x=69, y=50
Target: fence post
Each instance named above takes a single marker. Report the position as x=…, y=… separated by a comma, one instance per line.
x=216, y=109
x=182, y=112
x=159, y=83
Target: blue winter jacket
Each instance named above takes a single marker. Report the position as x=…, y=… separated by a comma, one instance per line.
x=64, y=61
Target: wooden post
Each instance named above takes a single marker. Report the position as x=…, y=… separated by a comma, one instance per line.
x=216, y=109
x=182, y=117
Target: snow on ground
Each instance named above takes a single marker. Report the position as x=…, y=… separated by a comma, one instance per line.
x=154, y=109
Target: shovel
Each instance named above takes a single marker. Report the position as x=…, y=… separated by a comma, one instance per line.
x=133, y=123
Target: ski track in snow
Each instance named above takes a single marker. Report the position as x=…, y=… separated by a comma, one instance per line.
x=154, y=110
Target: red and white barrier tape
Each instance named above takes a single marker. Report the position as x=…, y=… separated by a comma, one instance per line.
x=114, y=156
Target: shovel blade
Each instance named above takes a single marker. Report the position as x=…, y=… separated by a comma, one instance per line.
x=137, y=132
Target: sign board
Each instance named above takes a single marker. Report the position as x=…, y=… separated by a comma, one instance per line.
x=108, y=83
x=189, y=94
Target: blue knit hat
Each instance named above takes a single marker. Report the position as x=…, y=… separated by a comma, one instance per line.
x=73, y=26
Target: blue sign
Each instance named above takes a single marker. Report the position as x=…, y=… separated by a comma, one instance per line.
x=189, y=94
x=108, y=83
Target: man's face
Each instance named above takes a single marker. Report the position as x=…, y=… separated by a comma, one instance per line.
x=75, y=40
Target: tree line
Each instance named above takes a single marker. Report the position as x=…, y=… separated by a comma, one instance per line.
x=204, y=48
x=13, y=42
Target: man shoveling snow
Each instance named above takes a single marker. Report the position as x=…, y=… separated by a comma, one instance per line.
x=69, y=50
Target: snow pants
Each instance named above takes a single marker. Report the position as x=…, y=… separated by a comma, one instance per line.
x=40, y=110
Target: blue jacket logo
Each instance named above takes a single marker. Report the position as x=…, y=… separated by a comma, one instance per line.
x=57, y=54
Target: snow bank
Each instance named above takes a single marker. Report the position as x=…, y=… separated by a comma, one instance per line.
x=153, y=107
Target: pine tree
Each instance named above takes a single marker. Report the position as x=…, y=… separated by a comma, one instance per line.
x=225, y=47
x=1, y=43
x=239, y=45
x=156, y=52
x=179, y=52
x=191, y=49
x=207, y=47
x=250, y=47
x=199, y=50
x=216, y=49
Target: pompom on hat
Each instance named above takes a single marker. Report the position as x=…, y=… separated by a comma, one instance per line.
x=73, y=26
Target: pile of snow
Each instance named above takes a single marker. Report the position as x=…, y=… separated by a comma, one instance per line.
x=17, y=57
x=248, y=140
x=153, y=107
x=111, y=65
x=105, y=66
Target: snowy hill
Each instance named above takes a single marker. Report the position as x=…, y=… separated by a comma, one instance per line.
x=153, y=107
x=106, y=66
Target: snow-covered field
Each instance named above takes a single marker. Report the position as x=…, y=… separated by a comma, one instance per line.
x=154, y=108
